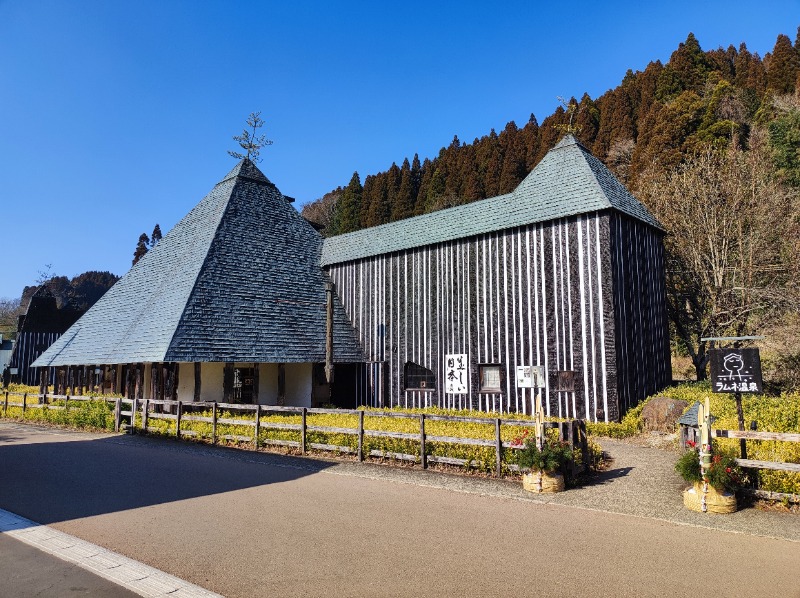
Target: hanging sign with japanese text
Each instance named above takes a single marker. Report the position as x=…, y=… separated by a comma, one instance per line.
x=456, y=373
x=735, y=370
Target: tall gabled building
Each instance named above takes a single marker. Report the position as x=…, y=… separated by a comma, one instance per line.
x=566, y=272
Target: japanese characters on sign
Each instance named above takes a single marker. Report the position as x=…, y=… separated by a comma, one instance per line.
x=735, y=370
x=456, y=373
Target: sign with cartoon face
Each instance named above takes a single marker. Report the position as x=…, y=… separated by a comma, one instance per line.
x=735, y=370
x=456, y=374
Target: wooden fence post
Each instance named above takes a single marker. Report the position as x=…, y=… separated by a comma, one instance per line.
x=117, y=413
x=360, y=434
x=145, y=407
x=5, y=406
x=134, y=408
x=178, y=420
x=214, y=423
x=498, y=448
x=258, y=425
x=423, y=457
x=24, y=404
x=303, y=433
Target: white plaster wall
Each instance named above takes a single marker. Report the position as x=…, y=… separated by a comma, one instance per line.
x=185, y=381
x=298, y=384
x=268, y=384
x=211, y=376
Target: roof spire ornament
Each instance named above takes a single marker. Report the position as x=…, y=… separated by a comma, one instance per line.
x=571, y=108
x=250, y=142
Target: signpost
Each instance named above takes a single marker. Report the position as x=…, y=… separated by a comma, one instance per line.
x=736, y=370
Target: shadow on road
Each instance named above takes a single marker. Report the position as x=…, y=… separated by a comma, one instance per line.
x=54, y=478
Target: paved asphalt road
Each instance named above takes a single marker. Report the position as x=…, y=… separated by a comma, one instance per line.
x=245, y=524
x=26, y=572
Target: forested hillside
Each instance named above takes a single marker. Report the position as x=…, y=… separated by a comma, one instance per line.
x=709, y=141
x=655, y=116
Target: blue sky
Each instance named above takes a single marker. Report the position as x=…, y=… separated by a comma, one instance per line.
x=117, y=115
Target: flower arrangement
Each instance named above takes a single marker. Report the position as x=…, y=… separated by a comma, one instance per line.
x=723, y=474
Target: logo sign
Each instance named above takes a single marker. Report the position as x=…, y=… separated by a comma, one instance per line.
x=456, y=374
x=735, y=370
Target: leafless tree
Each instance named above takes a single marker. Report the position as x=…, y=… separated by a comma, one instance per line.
x=731, y=244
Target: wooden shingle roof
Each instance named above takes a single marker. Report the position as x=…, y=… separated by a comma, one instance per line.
x=568, y=181
x=237, y=279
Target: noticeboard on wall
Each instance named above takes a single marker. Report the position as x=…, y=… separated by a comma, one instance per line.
x=530, y=376
x=736, y=370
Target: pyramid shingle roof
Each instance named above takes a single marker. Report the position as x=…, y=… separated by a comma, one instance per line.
x=568, y=181
x=237, y=279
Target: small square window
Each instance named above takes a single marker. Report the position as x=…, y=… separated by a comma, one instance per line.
x=489, y=378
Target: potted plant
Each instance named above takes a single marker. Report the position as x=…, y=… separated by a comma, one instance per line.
x=712, y=491
x=544, y=464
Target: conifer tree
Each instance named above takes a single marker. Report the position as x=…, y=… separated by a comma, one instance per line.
x=783, y=67
x=155, y=237
x=403, y=205
x=141, y=248
x=348, y=209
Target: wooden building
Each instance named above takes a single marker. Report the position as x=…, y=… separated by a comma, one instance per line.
x=39, y=327
x=566, y=272
x=229, y=306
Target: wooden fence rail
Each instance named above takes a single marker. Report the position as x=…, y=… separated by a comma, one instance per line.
x=149, y=411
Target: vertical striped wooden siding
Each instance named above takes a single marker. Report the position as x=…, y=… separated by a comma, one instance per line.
x=27, y=347
x=642, y=329
x=544, y=294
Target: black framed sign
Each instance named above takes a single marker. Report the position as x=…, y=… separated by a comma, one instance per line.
x=736, y=370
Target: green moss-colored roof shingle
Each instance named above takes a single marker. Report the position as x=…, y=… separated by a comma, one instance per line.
x=237, y=279
x=568, y=181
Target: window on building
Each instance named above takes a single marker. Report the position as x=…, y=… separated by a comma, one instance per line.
x=417, y=377
x=489, y=377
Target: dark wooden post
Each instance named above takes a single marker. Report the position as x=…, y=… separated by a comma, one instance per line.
x=24, y=404
x=138, y=382
x=43, y=382
x=114, y=376
x=303, y=432
x=227, y=383
x=281, y=384
x=361, y=435
x=175, y=380
x=214, y=423
x=179, y=412
x=498, y=448
x=197, y=369
x=329, y=332
x=145, y=410
x=153, y=383
x=255, y=383
x=740, y=417
x=423, y=457
x=134, y=409
x=5, y=406
x=117, y=413
x=257, y=426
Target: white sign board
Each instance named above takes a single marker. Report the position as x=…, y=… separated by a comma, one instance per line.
x=456, y=373
x=524, y=376
x=530, y=376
